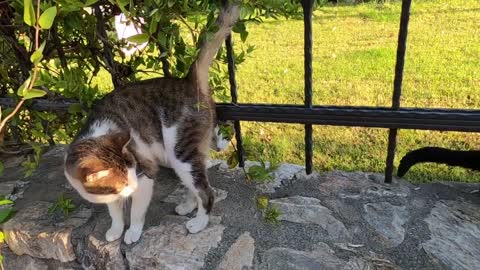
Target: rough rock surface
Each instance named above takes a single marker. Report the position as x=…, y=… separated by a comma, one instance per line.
x=100, y=254
x=169, y=246
x=290, y=259
x=334, y=220
x=34, y=231
x=300, y=209
x=388, y=221
x=240, y=255
x=6, y=188
x=284, y=173
x=455, y=234
x=24, y=262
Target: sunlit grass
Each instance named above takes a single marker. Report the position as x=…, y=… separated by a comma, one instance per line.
x=354, y=58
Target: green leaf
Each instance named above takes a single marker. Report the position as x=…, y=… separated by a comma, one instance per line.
x=138, y=39
x=90, y=2
x=2, y=239
x=34, y=93
x=5, y=214
x=5, y=202
x=243, y=36
x=153, y=26
x=2, y=168
x=47, y=17
x=121, y=4
x=37, y=56
x=21, y=89
x=171, y=3
x=28, y=12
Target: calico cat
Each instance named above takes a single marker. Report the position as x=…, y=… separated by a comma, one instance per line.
x=141, y=126
x=465, y=159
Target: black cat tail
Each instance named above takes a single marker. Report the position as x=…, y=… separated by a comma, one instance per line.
x=465, y=159
x=211, y=42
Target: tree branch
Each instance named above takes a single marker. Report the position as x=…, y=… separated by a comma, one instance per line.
x=113, y=66
x=58, y=47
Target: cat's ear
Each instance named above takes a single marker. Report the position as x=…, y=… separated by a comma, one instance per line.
x=121, y=140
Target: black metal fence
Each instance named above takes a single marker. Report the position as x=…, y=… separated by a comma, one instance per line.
x=392, y=118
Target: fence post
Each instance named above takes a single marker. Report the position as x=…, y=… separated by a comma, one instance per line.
x=233, y=93
x=397, y=85
x=307, y=6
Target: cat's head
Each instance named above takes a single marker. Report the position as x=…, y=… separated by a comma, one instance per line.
x=102, y=169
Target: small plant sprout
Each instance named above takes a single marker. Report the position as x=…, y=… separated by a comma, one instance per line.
x=63, y=204
x=270, y=213
x=261, y=173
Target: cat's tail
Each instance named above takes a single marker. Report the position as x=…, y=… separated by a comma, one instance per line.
x=227, y=17
x=465, y=159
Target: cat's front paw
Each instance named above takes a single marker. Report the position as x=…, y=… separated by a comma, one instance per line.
x=132, y=236
x=113, y=233
x=197, y=224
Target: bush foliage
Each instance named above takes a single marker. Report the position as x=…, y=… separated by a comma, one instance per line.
x=55, y=49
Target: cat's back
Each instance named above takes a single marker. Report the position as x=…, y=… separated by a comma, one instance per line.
x=145, y=98
x=143, y=105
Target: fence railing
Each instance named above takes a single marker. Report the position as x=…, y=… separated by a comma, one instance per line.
x=392, y=118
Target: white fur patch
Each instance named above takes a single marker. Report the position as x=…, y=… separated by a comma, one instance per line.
x=199, y=222
x=140, y=201
x=222, y=143
x=100, y=128
x=115, y=209
x=183, y=170
x=132, y=183
x=154, y=152
x=98, y=175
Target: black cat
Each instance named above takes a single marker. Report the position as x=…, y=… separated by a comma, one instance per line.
x=464, y=159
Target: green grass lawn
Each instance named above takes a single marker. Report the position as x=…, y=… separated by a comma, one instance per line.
x=354, y=57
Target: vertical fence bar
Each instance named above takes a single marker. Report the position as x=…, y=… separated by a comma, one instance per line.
x=307, y=6
x=397, y=85
x=233, y=93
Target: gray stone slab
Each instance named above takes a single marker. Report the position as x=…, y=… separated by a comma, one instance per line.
x=240, y=255
x=455, y=234
x=306, y=210
x=388, y=221
x=33, y=231
x=289, y=259
x=170, y=246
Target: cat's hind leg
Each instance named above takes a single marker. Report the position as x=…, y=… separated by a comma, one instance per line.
x=194, y=177
x=187, y=151
x=188, y=205
x=141, y=198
